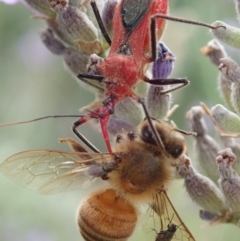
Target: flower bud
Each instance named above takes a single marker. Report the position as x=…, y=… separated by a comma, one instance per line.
x=225, y=89
x=75, y=3
x=231, y=143
x=158, y=103
x=75, y=60
x=231, y=70
x=164, y=64
x=76, y=27
x=41, y=6
x=87, y=8
x=226, y=33
x=227, y=122
x=201, y=189
x=214, y=50
x=205, y=146
x=129, y=111
x=229, y=180
x=107, y=15
x=54, y=45
x=237, y=5
x=116, y=126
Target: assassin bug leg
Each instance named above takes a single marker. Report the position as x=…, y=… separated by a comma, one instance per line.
x=102, y=113
x=100, y=22
x=92, y=84
x=91, y=76
x=181, y=82
x=83, y=138
x=158, y=138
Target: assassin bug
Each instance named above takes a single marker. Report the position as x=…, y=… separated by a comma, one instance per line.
x=137, y=27
x=129, y=54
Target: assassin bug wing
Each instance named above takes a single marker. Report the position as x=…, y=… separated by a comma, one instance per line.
x=133, y=11
x=50, y=171
x=164, y=218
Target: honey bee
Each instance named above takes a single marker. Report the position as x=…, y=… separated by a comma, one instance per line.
x=137, y=172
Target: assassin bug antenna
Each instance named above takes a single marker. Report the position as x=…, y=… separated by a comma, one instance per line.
x=171, y=18
x=79, y=135
x=163, y=16
x=40, y=118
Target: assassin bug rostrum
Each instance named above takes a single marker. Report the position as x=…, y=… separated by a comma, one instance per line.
x=137, y=27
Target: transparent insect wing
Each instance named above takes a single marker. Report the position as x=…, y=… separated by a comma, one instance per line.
x=50, y=171
x=161, y=215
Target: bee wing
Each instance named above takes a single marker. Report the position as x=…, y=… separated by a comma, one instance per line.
x=51, y=171
x=163, y=215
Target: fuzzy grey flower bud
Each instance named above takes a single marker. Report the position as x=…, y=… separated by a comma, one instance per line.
x=225, y=89
x=87, y=8
x=108, y=13
x=158, y=103
x=226, y=33
x=214, y=50
x=227, y=122
x=201, y=189
x=237, y=5
x=116, y=126
x=41, y=6
x=75, y=60
x=206, y=147
x=231, y=70
x=53, y=44
x=129, y=111
x=230, y=180
x=76, y=27
x=235, y=146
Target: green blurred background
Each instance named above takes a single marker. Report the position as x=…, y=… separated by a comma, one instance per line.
x=34, y=83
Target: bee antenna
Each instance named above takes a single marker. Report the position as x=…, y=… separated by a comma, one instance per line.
x=148, y=117
x=187, y=133
x=40, y=118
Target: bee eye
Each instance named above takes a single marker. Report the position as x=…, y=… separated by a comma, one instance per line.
x=175, y=151
x=147, y=135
